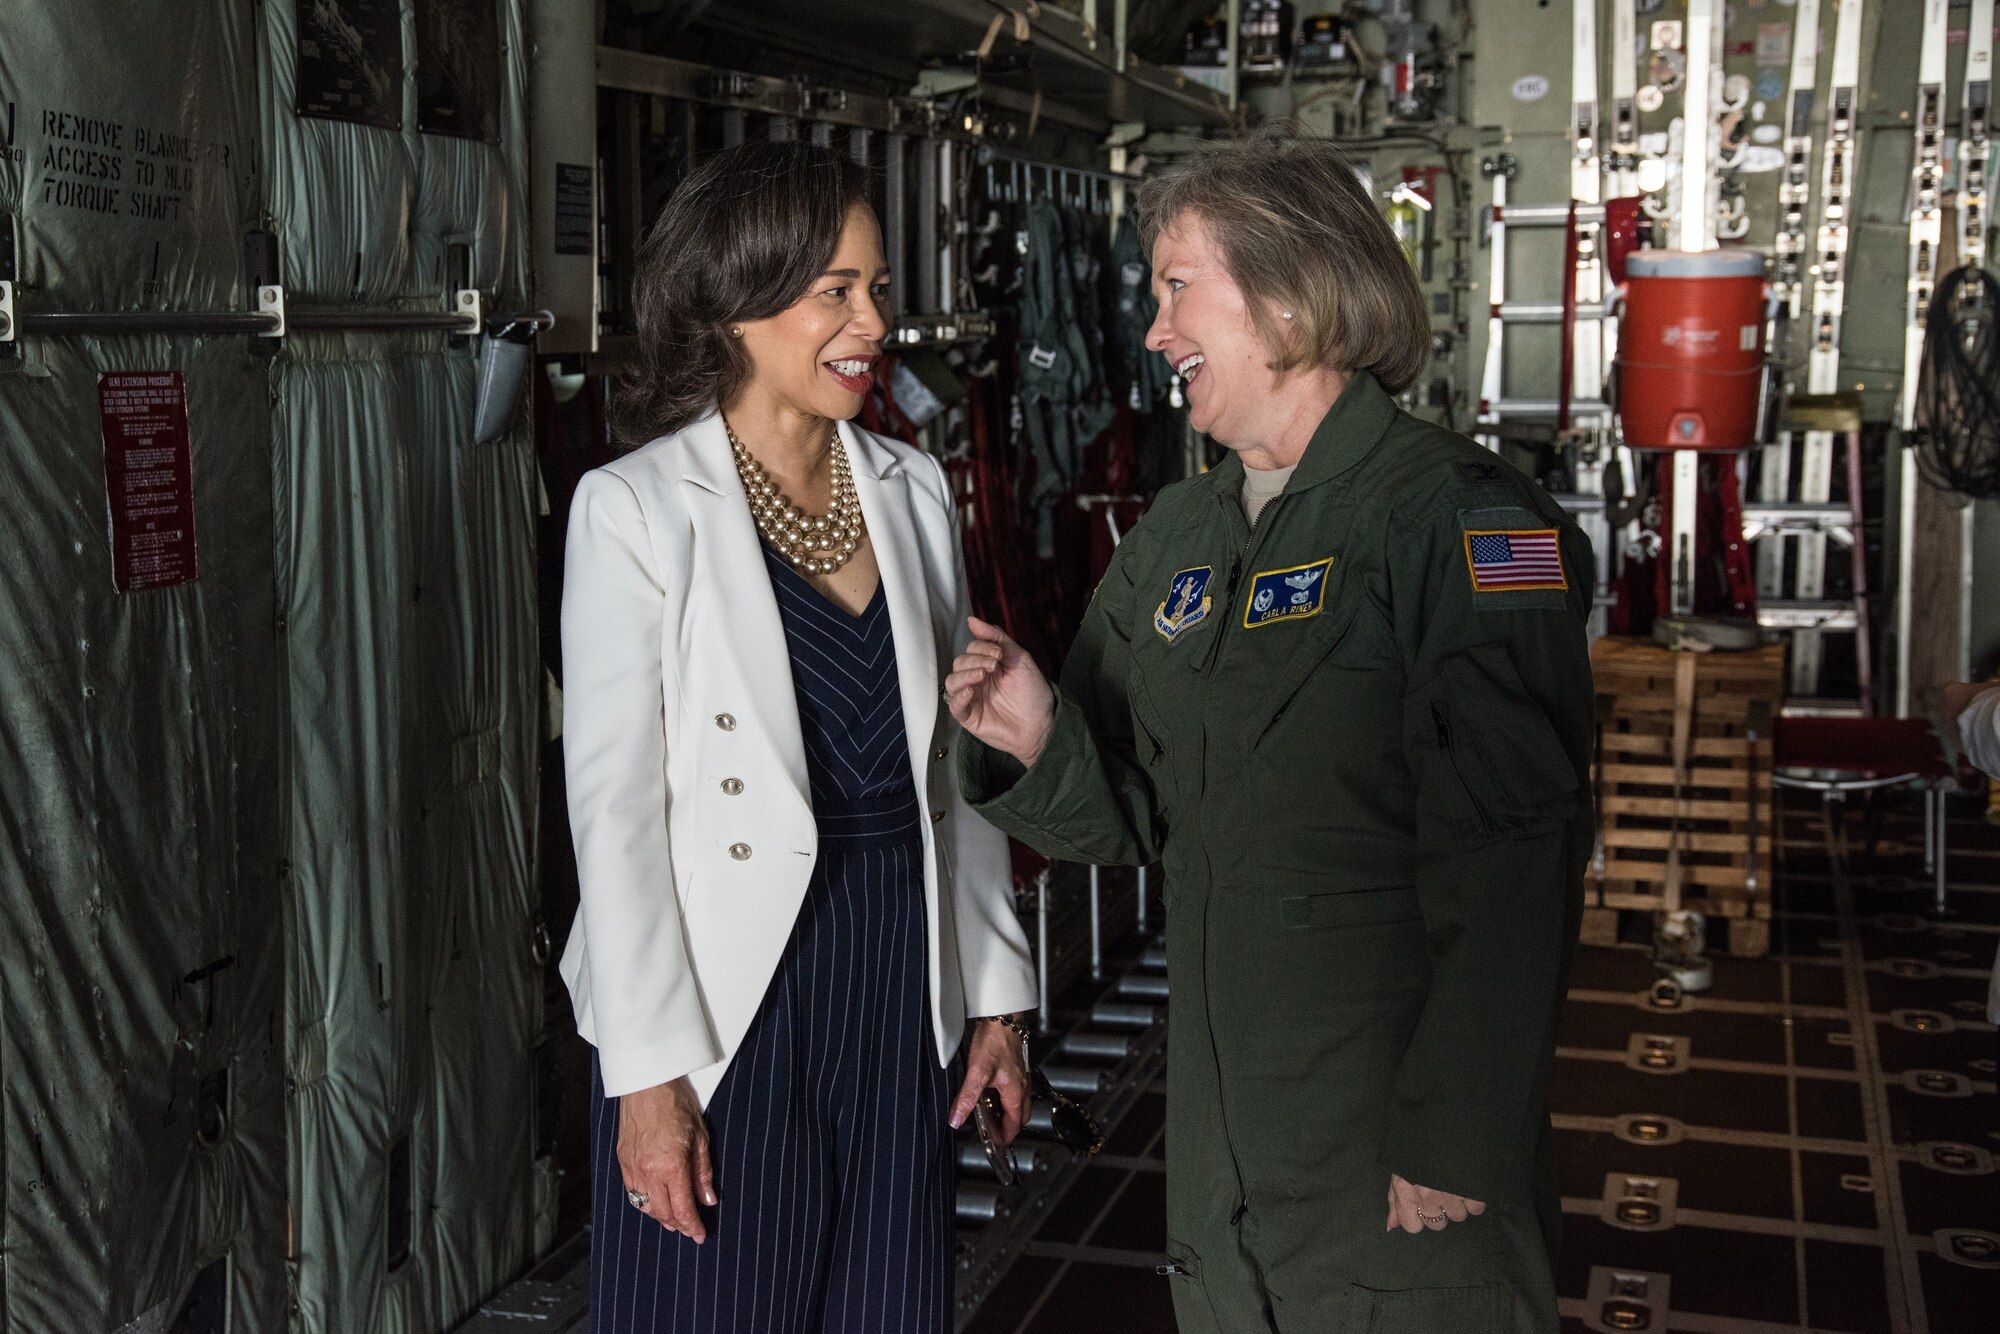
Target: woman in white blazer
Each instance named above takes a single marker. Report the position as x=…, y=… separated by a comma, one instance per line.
x=789, y=918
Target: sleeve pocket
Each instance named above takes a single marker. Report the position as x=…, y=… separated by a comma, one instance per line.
x=1488, y=758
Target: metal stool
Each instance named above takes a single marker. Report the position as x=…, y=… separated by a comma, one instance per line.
x=1837, y=757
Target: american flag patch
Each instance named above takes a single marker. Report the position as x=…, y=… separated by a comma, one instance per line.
x=1514, y=560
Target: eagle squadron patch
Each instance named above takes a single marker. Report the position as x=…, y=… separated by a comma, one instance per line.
x=1187, y=602
x=1290, y=594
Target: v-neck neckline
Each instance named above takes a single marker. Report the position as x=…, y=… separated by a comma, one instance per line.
x=853, y=618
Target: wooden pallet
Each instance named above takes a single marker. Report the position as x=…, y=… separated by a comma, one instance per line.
x=1742, y=937
x=1718, y=823
x=1640, y=675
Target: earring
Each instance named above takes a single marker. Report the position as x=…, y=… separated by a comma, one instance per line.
x=735, y=332
x=1288, y=314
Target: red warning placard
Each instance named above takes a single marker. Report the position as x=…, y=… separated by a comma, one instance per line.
x=148, y=478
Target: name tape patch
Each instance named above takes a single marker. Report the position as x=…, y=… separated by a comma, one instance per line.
x=1290, y=594
x=1514, y=560
x=1187, y=602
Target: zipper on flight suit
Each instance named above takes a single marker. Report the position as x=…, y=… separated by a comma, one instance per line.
x=1236, y=567
x=1250, y=532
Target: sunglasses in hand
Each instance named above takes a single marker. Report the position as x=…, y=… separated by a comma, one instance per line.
x=1075, y=1129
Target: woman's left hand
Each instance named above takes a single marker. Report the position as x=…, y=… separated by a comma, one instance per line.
x=995, y=1060
x=1419, y=1208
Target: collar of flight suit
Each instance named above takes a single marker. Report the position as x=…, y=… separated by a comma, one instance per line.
x=1348, y=433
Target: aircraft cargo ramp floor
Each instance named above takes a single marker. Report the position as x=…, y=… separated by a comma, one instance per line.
x=1808, y=1146
x=1815, y=1153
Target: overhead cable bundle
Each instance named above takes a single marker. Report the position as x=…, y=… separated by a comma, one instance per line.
x=1957, y=433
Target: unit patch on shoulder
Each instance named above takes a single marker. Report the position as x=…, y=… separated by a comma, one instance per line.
x=1290, y=594
x=1187, y=602
x=1508, y=551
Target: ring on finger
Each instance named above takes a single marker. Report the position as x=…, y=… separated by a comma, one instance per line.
x=1438, y=1220
x=638, y=1199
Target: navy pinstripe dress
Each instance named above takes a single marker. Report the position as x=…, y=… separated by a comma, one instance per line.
x=833, y=1161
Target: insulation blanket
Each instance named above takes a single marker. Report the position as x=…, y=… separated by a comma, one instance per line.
x=369, y=212
x=406, y=581
x=466, y=192
x=141, y=944
x=268, y=976
x=128, y=152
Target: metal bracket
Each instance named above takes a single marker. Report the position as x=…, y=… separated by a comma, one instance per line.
x=942, y=330
x=913, y=115
x=271, y=301
x=1640, y=1203
x=1834, y=520
x=1657, y=1053
x=816, y=99
x=729, y=85
x=1624, y=1299
x=468, y=303
x=6, y=311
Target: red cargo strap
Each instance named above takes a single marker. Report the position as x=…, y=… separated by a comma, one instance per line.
x=1719, y=547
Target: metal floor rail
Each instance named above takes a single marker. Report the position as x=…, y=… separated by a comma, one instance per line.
x=1103, y=1053
x=1110, y=1051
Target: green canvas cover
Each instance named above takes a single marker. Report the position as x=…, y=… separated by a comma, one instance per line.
x=268, y=923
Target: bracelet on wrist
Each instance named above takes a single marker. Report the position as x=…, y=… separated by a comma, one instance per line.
x=1008, y=1021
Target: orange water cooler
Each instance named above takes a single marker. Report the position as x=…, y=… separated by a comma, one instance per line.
x=1691, y=380
x=1691, y=349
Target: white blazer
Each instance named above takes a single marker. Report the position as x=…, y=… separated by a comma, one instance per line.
x=676, y=681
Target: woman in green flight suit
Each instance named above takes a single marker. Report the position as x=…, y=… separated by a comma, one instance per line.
x=1339, y=686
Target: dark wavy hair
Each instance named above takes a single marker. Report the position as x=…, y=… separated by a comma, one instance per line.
x=742, y=238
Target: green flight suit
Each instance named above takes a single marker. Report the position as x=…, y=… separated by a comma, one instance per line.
x=1358, y=744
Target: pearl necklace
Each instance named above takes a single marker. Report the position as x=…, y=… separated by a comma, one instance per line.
x=814, y=544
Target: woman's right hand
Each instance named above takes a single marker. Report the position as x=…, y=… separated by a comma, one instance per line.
x=998, y=694
x=663, y=1153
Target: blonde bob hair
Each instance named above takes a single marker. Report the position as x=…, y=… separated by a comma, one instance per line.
x=1296, y=228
